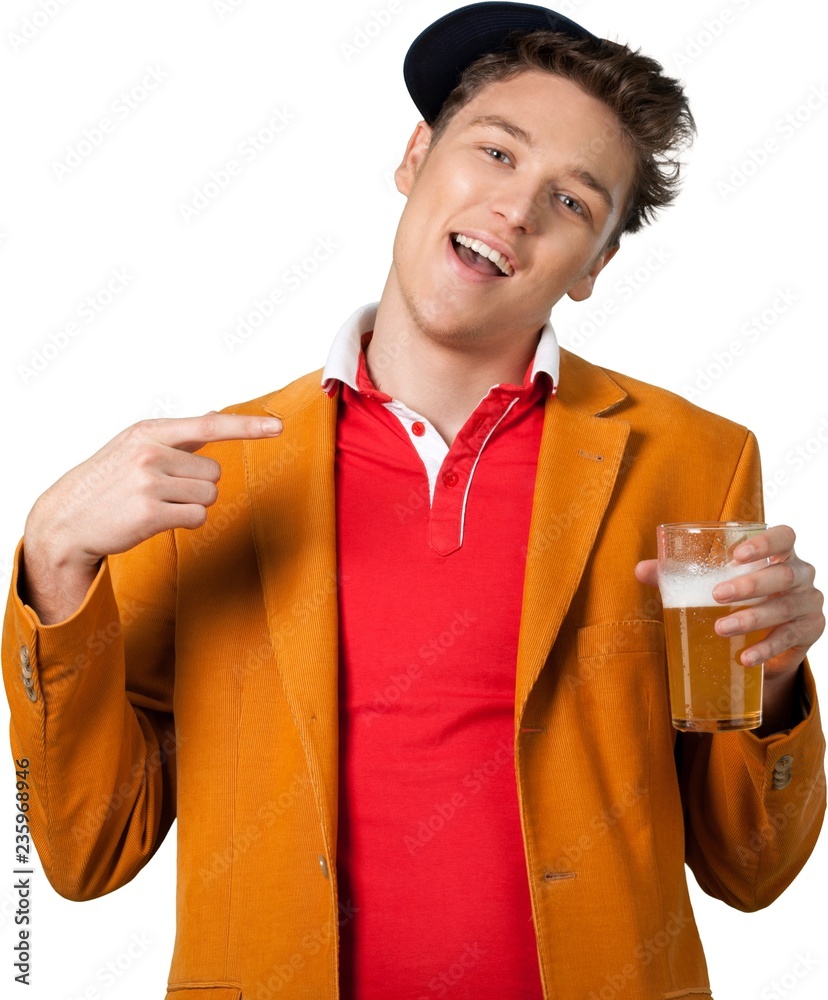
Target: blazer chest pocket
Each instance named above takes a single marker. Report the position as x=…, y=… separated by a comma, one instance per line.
x=634, y=636
x=693, y=991
x=204, y=991
x=620, y=669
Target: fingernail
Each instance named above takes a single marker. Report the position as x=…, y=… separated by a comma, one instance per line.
x=744, y=551
x=724, y=626
x=751, y=659
x=271, y=425
x=724, y=591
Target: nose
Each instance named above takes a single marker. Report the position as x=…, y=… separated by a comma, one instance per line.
x=521, y=201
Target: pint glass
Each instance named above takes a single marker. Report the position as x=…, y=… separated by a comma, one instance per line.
x=710, y=690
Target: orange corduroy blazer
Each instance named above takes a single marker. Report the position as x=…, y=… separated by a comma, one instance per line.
x=198, y=681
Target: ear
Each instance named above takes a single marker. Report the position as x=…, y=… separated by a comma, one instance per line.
x=582, y=289
x=415, y=153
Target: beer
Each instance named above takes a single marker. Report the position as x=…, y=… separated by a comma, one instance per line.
x=710, y=689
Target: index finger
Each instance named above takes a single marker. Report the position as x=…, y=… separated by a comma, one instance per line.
x=775, y=541
x=190, y=433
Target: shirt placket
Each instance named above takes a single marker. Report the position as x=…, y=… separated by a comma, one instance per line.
x=453, y=485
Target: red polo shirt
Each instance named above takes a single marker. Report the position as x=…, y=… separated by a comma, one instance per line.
x=430, y=856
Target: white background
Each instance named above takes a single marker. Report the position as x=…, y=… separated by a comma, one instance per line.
x=683, y=292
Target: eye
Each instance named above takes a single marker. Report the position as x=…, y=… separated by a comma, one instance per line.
x=571, y=204
x=501, y=157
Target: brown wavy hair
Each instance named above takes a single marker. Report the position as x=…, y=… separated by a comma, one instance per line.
x=652, y=108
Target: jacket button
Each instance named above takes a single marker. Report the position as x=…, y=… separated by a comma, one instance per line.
x=782, y=772
x=26, y=673
x=28, y=683
x=323, y=864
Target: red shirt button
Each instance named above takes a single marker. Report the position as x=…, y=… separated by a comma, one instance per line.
x=418, y=428
x=450, y=478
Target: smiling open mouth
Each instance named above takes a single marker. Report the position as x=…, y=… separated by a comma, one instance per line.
x=480, y=257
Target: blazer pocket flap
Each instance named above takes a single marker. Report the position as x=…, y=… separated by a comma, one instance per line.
x=204, y=991
x=634, y=636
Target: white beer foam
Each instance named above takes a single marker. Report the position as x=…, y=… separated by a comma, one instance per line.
x=683, y=590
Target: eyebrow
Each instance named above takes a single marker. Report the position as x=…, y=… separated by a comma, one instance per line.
x=515, y=130
x=520, y=133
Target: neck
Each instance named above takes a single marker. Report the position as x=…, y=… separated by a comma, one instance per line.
x=439, y=372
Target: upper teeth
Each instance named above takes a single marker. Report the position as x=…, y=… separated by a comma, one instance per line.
x=485, y=251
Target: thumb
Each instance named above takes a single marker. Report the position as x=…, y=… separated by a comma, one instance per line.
x=646, y=571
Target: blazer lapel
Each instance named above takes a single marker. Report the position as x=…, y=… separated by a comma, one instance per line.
x=290, y=481
x=579, y=459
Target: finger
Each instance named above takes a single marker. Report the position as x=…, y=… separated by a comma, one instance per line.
x=181, y=515
x=773, y=542
x=172, y=489
x=191, y=433
x=768, y=614
x=776, y=578
x=788, y=660
x=646, y=571
x=147, y=515
x=793, y=638
x=185, y=465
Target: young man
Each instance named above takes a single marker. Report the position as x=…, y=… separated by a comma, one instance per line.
x=400, y=677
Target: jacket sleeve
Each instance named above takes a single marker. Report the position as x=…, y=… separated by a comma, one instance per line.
x=92, y=712
x=753, y=806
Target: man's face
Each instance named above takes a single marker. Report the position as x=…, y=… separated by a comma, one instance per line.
x=547, y=183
